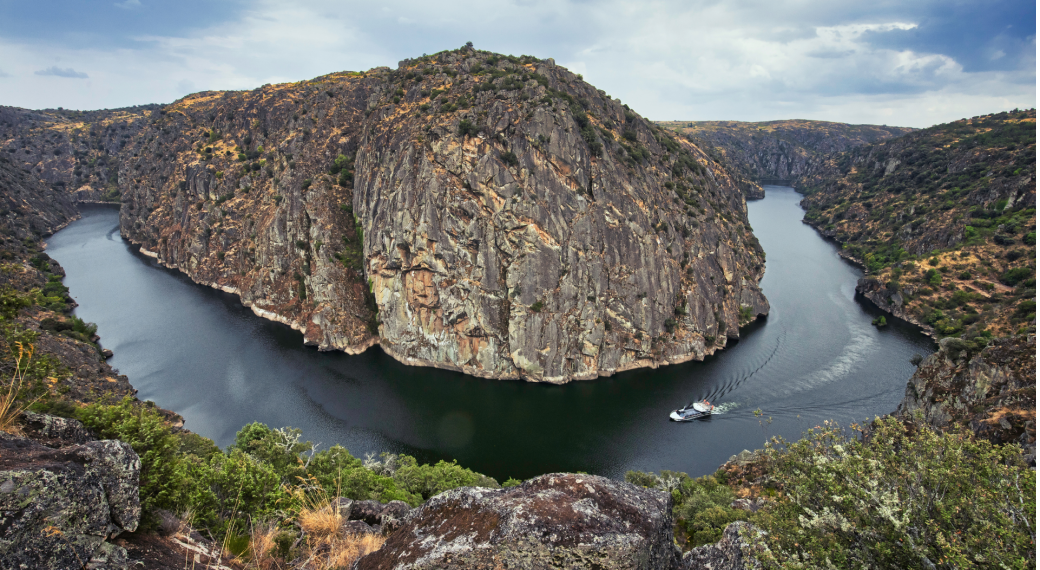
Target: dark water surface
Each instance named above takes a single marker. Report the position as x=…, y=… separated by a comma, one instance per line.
x=199, y=352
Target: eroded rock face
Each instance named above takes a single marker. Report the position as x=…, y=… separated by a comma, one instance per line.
x=992, y=391
x=482, y=213
x=60, y=506
x=557, y=521
x=519, y=253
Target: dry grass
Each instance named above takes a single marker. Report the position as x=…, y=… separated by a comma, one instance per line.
x=10, y=409
x=342, y=550
x=262, y=545
x=321, y=522
x=324, y=544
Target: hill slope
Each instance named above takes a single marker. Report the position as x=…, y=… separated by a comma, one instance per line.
x=943, y=219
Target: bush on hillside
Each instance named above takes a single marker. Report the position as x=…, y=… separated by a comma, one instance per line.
x=901, y=497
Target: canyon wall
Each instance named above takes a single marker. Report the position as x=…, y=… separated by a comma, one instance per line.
x=490, y=214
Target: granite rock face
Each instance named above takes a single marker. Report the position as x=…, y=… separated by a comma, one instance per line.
x=490, y=214
x=557, y=520
x=60, y=507
x=737, y=550
x=992, y=391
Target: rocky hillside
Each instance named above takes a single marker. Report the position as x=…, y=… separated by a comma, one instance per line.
x=484, y=213
x=778, y=152
x=992, y=391
x=943, y=220
x=72, y=151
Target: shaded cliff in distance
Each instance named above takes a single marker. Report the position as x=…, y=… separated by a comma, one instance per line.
x=778, y=152
x=484, y=213
x=72, y=151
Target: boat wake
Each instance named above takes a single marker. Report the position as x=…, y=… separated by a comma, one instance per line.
x=723, y=408
x=733, y=384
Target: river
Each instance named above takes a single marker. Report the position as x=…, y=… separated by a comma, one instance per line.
x=199, y=352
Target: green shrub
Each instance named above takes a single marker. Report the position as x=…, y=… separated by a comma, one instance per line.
x=427, y=480
x=933, y=277
x=510, y=159
x=899, y=499
x=1015, y=276
x=163, y=484
x=467, y=128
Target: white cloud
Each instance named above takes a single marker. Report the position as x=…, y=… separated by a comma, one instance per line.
x=62, y=72
x=128, y=5
x=666, y=59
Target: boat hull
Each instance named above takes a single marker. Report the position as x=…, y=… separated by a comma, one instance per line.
x=689, y=416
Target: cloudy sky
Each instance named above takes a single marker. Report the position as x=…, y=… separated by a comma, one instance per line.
x=904, y=62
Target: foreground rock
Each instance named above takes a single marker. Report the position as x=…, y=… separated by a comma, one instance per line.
x=992, y=391
x=60, y=507
x=557, y=521
x=738, y=550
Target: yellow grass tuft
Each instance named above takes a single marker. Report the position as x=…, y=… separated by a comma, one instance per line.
x=10, y=409
x=262, y=543
x=322, y=522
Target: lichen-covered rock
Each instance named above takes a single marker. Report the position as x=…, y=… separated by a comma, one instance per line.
x=368, y=511
x=58, y=507
x=551, y=521
x=992, y=391
x=738, y=549
x=61, y=431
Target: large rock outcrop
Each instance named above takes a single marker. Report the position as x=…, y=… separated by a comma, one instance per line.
x=489, y=214
x=992, y=391
x=552, y=521
x=60, y=507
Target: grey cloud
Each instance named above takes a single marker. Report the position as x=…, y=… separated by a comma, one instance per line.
x=4, y=74
x=59, y=72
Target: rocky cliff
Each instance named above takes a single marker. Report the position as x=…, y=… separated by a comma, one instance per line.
x=943, y=220
x=992, y=391
x=489, y=214
x=779, y=152
x=73, y=152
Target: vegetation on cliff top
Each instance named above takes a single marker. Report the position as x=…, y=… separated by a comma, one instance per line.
x=946, y=216
x=892, y=496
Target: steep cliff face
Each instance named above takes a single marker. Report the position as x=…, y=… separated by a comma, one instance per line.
x=483, y=213
x=29, y=209
x=562, y=237
x=780, y=152
x=944, y=221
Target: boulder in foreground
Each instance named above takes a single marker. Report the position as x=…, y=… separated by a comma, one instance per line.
x=561, y=520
